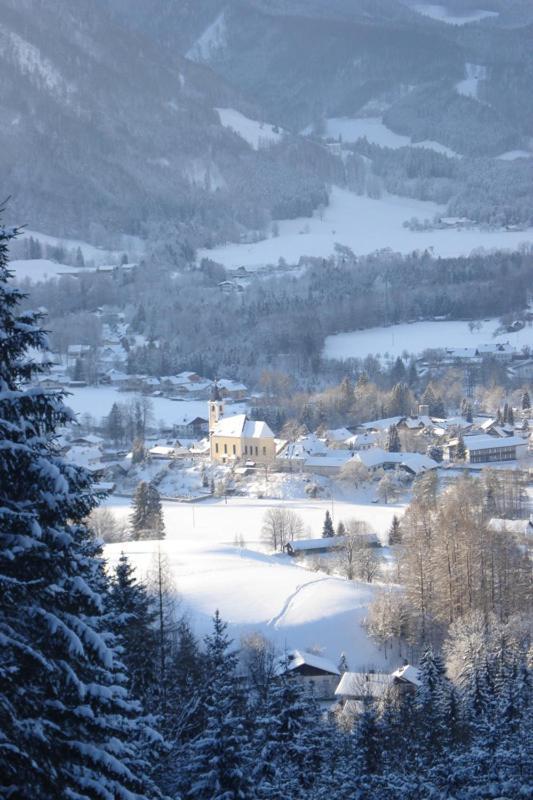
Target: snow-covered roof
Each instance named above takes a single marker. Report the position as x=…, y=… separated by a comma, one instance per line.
x=338, y=435
x=231, y=386
x=484, y=442
x=376, y=457
x=299, y=658
x=360, y=439
x=309, y=445
x=334, y=458
x=324, y=542
x=408, y=673
x=381, y=424
x=356, y=684
x=520, y=526
x=240, y=426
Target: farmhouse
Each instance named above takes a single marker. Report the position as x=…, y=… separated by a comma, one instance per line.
x=316, y=674
x=237, y=438
x=304, y=547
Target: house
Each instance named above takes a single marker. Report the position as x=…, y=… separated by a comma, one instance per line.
x=329, y=464
x=318, y=675
x=364, y=687
x=338, y=436
x=407, y=678
x=308, y=547
x=362, y=441
x=294, y=454
x=167, y=452
x=413, y=463
x=191, y=427
x=237, y=438
x=232, y=389
x=484, y=449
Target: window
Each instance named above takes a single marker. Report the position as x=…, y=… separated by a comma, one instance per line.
x=234, y=450
x=257, y=451
x=216, y=448
x=245, y=449
x=225, y=448
x=264, y=451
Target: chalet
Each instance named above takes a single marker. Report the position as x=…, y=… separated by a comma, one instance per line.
x=407, y=678
x=316, y=674
x=237, y=438
x=362, y=441
x=232, y=389
x=484, y=449
x=413, y=463
x=167, y=452
x=357, y=689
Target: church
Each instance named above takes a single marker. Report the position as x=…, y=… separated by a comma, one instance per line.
x=237, y=438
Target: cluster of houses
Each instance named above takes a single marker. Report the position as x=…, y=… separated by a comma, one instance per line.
x=236, y=439
x=351, y=691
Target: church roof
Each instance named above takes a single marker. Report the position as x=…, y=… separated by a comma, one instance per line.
x=240, y=426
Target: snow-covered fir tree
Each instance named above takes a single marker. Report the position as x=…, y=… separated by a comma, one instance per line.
x=68, y=728
x=327, y=528
x=147, y=514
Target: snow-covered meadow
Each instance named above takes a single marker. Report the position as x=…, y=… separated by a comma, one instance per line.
x=256, y=134
x=441, y=13
x=418, y=336
x=365, y=225
x=376, y=132
x=97, y=401
x=254, y=590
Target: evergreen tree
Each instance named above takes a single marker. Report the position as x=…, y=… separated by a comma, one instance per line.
x=328, y=529
x=219, y=760
x=393, y=440
x=68, y=727
x=460, y=452
x=341, y=529
x=395, y=531
x=343, y=663
x=114, y=425
x=526, y=401
x=134, y=624
x=147, y=516
x=510, y=416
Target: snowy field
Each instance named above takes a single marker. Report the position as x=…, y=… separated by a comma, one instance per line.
x=376, y=132
x=418, y=336
x=97, y=401
x=38, y=269
x=99, y=255
x=442, y=14
x=293, y=606
x=257, y=134
x=365, y=225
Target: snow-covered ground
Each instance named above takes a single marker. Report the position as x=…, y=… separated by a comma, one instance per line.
x=97, y=401
x=254, y=590
x=418, y=336
x=511, y=155
x=98, y=255
x=365, y=225
x=373, y=129
x=442, y=14
x=38, y=269
x=257, y=134
x=474, y=73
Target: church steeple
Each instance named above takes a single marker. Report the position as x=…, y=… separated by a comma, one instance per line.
x=216, y=406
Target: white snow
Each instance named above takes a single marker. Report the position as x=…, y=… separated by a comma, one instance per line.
x=212, y=40
x=98, y=255
x=511, y=155
x=254, y=590
x=257, y=134
x=441, y=14
x=38, y=269
x=418, y=336
x=365, y=225
x=373, y=129
x=474, y=73
x=97, y=401
x=31, y=62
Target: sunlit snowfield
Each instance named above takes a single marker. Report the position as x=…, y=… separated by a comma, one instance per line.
x=254, y=590
x=418, y=336
x=365, y=225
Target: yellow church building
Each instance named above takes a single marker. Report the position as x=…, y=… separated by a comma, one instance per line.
x=237, y=438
